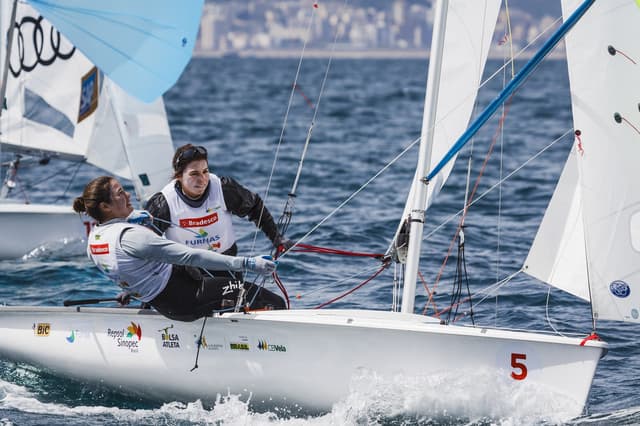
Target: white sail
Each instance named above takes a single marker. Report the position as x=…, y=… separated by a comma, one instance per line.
x=462, y=35
x=557, y=255
x=46, y=109
x=140, y=140
x=603, y=54
x=469, y=29
x=603, y=57
x=57, y=101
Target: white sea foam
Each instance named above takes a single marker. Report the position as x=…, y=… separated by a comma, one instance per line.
x=446, y=398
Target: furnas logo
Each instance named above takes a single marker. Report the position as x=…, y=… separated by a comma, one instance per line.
x=264, y=346
x=42, y=329
x=99, y=248
x=199, y=221
x=239, y=346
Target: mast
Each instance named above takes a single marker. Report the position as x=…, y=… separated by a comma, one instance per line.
x=5, y=68
x=419, y=196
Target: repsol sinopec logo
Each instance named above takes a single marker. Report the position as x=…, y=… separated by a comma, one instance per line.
x=37, y=42
x=127, y=338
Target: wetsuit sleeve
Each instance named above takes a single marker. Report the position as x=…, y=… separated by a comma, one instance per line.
x=138, y=242
x=242, y=202
x=159, y=209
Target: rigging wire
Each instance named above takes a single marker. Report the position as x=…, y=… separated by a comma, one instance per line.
x=546, y=312
x=284, y=123
x=285, y=219
x=75, y=172
x=490, y=189
x=501, y=171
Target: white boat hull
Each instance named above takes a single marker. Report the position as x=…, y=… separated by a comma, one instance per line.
x=309, y=358
x=26, y=227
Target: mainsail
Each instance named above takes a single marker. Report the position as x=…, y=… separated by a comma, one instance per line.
x=469, y=31
x=603, y=56
x=462, y=36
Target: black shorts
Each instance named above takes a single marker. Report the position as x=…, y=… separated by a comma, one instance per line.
x=189, y=295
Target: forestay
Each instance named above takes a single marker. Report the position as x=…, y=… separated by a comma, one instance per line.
x=603, y=56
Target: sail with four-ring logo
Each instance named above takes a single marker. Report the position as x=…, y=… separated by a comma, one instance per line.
x=60, y=113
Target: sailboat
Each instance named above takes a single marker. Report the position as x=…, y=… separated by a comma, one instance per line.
x=587, y=245
x=59, y=106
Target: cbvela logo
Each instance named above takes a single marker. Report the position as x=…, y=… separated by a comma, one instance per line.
x=264, y=346
x=199, y=222
x=169, y=340
x=128, y=338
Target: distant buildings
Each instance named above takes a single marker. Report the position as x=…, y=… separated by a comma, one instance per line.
x=282, y=27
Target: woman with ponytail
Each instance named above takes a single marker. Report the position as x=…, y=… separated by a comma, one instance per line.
x=156, y=270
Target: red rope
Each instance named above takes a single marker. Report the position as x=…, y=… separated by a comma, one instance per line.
x=282, y=288
x=592, y=336
x=353, y=289
x=471, y=196
x=308, y=248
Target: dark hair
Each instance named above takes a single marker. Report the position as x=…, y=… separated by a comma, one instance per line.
x=185, y=155
x=96, y=192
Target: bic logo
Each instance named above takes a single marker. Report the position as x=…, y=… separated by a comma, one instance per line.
x=42, y=329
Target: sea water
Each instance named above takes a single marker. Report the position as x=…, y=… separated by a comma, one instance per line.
x=370, y=112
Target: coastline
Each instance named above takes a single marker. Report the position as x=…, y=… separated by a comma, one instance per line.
x=350, y=54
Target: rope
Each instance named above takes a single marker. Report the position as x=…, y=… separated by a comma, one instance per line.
x=509, y=176
x=307, y=248
x=384, y=266
x=354, y=194
x=471, y=197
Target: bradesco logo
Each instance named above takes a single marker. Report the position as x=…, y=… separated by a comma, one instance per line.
x=199, y=221
x=128, y=338
x=99, y=248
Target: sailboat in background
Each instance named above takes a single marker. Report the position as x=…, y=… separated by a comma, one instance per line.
x=589, y=236
x=59, y=105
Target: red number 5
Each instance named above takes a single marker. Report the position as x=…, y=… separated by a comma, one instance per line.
x=515, y=358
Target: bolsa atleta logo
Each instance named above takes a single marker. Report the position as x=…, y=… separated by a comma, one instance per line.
x=127, y=338
x=169, y=340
